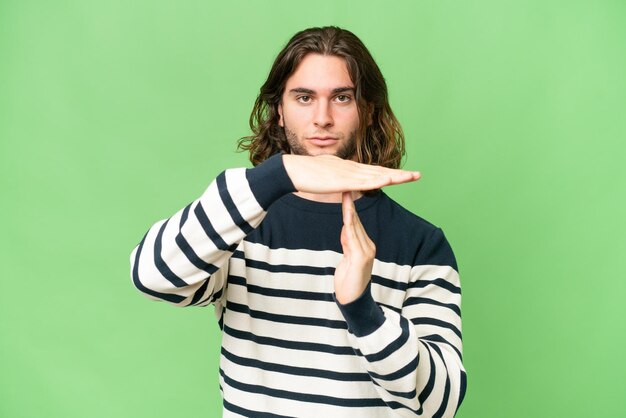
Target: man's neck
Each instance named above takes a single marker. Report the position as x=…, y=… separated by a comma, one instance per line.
x=326, y=197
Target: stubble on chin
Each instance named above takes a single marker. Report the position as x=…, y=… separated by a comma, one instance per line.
x=346, y=152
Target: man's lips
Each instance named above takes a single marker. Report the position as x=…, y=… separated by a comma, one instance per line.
x=323, y=141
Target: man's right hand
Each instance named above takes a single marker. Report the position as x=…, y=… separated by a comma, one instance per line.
x=331, y=174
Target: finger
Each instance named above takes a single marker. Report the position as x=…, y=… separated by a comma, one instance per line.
x=349, y=239
x=362, y=241
x=355, y=239
x=382, y=178
x=347, y=207
x=411, y=175
x=343, y=238
x=401, y=176
x=347, y=220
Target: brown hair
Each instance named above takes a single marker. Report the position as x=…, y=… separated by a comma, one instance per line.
x=378, y=143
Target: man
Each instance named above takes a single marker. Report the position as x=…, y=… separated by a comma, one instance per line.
x=332, y=299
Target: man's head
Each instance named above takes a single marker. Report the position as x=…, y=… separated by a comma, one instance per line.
x=325, y=95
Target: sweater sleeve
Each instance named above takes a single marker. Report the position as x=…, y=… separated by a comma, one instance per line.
x=414, y=357
x=183, y=260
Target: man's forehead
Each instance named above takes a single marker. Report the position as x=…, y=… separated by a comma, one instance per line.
x=318, y=73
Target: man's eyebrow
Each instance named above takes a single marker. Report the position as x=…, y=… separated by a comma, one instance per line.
x=343, y=90
x=333, y=91
x=301, y=90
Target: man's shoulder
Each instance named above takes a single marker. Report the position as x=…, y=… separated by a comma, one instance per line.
x=404, y=219
x=404, y=237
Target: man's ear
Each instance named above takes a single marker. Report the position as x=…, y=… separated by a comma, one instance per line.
x=280, y=115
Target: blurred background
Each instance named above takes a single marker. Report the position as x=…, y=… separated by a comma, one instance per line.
x=115, y=114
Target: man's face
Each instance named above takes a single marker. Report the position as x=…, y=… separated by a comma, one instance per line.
x=318, y=109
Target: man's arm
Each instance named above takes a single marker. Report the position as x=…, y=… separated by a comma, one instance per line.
x=183, y=260
x=414, y=357
x=330, y=174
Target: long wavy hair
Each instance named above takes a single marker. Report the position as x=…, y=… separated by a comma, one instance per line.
x=380, y=142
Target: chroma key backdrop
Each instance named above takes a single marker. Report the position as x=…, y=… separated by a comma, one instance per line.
x=115, y=114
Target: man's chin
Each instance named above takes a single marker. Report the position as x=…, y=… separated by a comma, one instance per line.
x=315, y=152
x=324, y=152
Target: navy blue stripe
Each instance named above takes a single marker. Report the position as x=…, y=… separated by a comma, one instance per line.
x=398, y=405
x=317, y=271
x=437, y=323
x=462, y=389
x=425, y=392
x=286, y=319
x=430, y=385
x=184, y=215
x=400, y=373
x=188, y=251
x=391, y=308
x=439, y=339
x=407, y=395
x=417, y=300
x=392, y=284
x=230, y=205
x=298, y=371
x=280, y=293
x=284, y=268
x=208, y=228
x=393, y=346
x=199, y=292
x=161, y=264
x=218, y=295
x=164, y=296
x=211, y=298
x=302, y=397
x=250, y=413
x=293, y=345
x=446, y=390
x=436, y=282
x=201, y=264
x=220, y=322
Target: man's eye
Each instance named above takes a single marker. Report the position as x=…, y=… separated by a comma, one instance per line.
x=304, y=99
x=342, y=98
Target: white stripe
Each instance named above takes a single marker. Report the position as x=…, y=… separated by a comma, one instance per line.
x=298, y=383
x=149, y=274
x=299, y=257
x=289, y=332
x=257, y=402
x=218, y=215
x=321, y=258
x=285, y=306
x=432, y=272
x=242, y=196
x=433, y=402
x=292, y=357
x=176, y=259
x=197, y=239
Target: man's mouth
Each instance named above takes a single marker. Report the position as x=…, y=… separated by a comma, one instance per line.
x=323, y=141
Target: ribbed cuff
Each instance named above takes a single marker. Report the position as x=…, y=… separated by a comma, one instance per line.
x=269, y=181
x=363, y=315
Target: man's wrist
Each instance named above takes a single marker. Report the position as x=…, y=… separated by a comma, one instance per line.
x=363, y=314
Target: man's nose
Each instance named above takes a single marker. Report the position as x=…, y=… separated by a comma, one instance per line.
x=323, y=114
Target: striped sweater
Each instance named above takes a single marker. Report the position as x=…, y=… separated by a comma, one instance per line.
x=265, y=259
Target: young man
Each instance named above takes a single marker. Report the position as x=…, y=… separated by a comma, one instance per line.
x=332, y=299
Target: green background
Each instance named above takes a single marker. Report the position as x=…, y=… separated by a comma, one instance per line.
x=115, y=114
